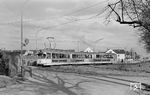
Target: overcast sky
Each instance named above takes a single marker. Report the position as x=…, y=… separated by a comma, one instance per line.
x=54, y=14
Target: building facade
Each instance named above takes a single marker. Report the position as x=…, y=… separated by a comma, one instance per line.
x=120, y=54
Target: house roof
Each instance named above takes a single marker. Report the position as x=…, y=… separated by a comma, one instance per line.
x=88, y=50
x=119, y=51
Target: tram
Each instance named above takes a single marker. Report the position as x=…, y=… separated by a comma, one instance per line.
x=50, y=58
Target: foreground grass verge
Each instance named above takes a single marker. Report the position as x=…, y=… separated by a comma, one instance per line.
x=117, y=69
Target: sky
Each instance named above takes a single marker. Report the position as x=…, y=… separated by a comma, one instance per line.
x=74, y=24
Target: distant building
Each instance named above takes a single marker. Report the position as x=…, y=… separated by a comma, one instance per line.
x=88, y=50
x=130, y=55
x=119, y=52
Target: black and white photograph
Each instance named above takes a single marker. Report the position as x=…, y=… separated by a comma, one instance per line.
x=74, y=47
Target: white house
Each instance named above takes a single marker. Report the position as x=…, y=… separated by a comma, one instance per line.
x=88, y=50
x=119, y=52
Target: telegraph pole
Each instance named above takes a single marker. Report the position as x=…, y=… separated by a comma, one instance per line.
x=36, y=40
x=78, y=43
x=21, y=33
x=21, y=25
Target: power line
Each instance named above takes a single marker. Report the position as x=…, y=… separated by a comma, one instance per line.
x=93, y=5
x=82, y=9
x=55, y=26
x=50, y=27
x=44, y=28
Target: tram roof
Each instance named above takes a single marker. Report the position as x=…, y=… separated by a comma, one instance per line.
x=58, y=50
x=69, y=51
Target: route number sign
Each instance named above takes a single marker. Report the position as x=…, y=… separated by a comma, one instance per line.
x=135, y=86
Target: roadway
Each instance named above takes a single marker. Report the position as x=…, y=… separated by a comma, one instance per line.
x=45, y=82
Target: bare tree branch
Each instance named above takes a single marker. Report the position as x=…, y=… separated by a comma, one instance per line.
x=135, y=13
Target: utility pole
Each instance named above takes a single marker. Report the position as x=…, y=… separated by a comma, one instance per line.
x=36, y=39
x=132, y=54
x=21, y=33
x=48, y=38
x=21, y=25
x=78, y=43
x=36, y=42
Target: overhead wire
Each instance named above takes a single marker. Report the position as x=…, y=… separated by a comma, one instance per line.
x=76, y=20
x=55, y=26
x=85, y=8
x=93, y=5
x=77, y=11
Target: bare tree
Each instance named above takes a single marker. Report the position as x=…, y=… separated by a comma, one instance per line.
x=135, y=13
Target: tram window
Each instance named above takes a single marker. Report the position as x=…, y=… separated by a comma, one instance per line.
x=53, y=55
x=86, y=56
x=90, y=56
x=98, y=56
x=44, y=55
x=75, y=56
x=48, y=55
x=41, y=55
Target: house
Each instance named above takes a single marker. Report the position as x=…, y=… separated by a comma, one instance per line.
x=119, y=52
x=88, y=50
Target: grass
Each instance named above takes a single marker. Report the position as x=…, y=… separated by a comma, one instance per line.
x=140, y=69
x=6, y=81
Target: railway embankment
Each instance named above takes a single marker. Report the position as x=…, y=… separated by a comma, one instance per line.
x=138, y=69
x=131, y=67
